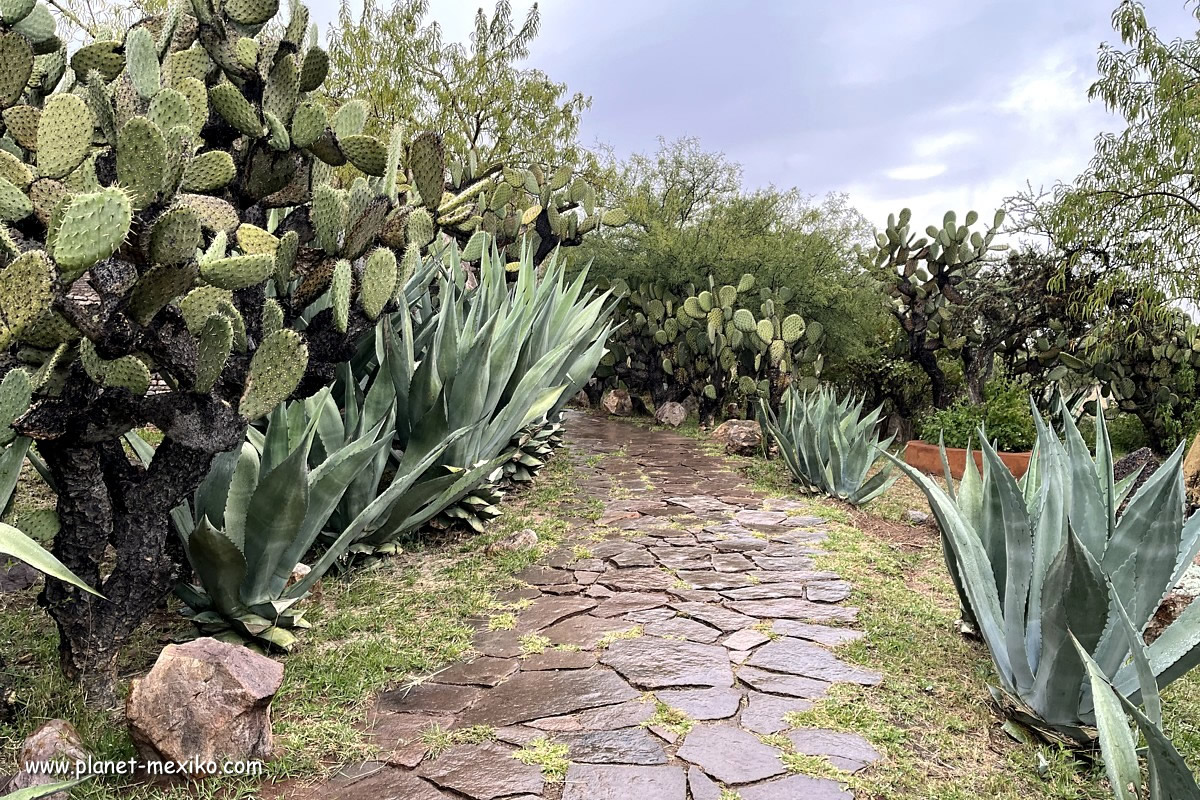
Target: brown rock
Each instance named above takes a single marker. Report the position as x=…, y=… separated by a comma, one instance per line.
x=373, y=781
x=56, y=740
x=615, y=782
x=652, y=663
x=741, y=437
x=204, y=700
x=610, y=718
x=400, y=736
x=483, y=772
x=828, y=591
x=795, y=608
x=731, y=755
x=821, y=634
x=483, y=671
x=521, y=540
x=617, y=402
x=776, y=683
x=671, y=414
x=534, y=695
x=622, y=746
x=796, y=787
x=428, y=698
x=683, y=628
x=559, y=659
x=585, y=631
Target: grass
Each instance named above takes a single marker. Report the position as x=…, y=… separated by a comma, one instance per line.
x=671, y=719
x=550, y=756
x=439, y=739
x=373, y=628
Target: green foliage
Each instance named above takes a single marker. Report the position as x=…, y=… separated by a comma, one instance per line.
x=829, y=444
x=1053, y=557
x=1005, y=416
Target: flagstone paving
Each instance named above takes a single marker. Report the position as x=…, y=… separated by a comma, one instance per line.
x=690, y=590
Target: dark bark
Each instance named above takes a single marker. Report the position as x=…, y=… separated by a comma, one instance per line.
x=109, y=505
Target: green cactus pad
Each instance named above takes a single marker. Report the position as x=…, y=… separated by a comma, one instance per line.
x=201, y=303
x=710, y=391
x=792, y=328
x=169, y=109
x=193, y=62
x=233, y=107
x=765, y=330
x=272, y=317
x=127, y=372
x=93, y=227
x=427, y=162
x=16, y=65
x=275, y=372
x=285, y=255
x=339, y=295
x=16, y=391
x=21, y=123
x=175, y=236
x=141, y=62
x=329, y=210
x=209, y=171
x=64, y=134
x=102, y=56
x=251, y=12
x=776, y=351
x=745, y=283
x=410, y=262
x=212, y=351
x=727, y=295
x=253, y=240
x=237, y=272
x=744, y=320
x=314, y=69
x=158, y=287
x=282, y=89
x=692, y=307
x=349, y=119
x=14, y=203
x=26, y=291
x=615, y=217
x=378, y=282
x=367, y=153
x=308, y=123
x=215, y=214
x=420, y=230
x=13, y=170
x=141, y=160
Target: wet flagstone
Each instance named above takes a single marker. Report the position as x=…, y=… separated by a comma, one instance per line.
x=691, y=591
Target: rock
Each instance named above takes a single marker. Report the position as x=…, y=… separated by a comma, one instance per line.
x=742, y=437
x=534, y=695
x=798, y=657
x=651, y=663
x=764, y=713
x=691, y=404
x=828, y=591
x=616, y=782
x=821, y=634
x=796, y=787
x=702, y=786
x=671, y=414
x=914, y=517
x=622, y=746
x=429, y=698
x=521, y=540
x=56, y=740
x=299, y=573
x=731, y=755
x=703, y=704
x=617, y=403
x=580, y=400
x=482, y=772
x=204, y=700
x=683, y=628
x=400, y=736
x=790, y=685
x=846, y=751
x=483, y=671
x=746, y=639
x=17, y=576
x=795, y=608
x=559, y=659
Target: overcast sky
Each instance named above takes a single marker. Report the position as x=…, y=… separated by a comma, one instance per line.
x=931, y=104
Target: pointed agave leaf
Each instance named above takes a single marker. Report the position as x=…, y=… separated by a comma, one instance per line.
x=241, y=488
x=16, y=544
x=220, y=565
x=1116, y=740
x=1170, y=778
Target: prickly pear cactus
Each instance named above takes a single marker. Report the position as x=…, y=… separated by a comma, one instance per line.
x=726, y=345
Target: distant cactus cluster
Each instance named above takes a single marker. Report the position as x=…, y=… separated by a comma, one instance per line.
x=725, y=345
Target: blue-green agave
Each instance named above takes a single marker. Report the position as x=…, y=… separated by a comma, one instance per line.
x=829, y=444
x=1053, y=555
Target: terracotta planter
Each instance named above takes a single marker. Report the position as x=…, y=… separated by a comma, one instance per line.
x=925, y=457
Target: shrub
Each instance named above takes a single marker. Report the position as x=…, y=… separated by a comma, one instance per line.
x=1005, y=416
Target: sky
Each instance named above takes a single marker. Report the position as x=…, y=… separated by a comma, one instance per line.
x=929, y=104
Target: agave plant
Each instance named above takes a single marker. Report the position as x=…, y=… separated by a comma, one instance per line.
x=1052, y=555
x=829, y=444
x=45, y=790
x=1168, y=776
x=260, y=511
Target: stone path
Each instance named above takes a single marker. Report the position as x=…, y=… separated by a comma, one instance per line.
x=704, y=601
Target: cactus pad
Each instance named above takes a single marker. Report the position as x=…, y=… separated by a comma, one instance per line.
x=237, y=272
x=339, y=295
x=253, y=240
x=365, y=152
x=175, y=236
x=93, y=227
x=349, y=119
x=26, y=290
x=329, y=217
x=275, y=372
x=308, y=123
x=141, y=160
x=102, y=56
x=615, y=217
x=314, y=69
x=215, y=214
x=744, y=320
x=378, y=282
x=169, y=109
x=14, y=203
x=420, y=229
x=285, y=256
x=16, y=65
x=15, y=393
x=228, y=101
x=209, y=171
x=427, y=161
x=158, y=287
x=64, y=134
x=272, y=317
x=22, y=125
x=212, y=351
x=127, y=372
x=792, y=328
x=765, y=330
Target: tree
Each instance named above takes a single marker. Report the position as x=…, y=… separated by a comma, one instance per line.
x=476, y=95
x=1134, y=213
x=690, y=219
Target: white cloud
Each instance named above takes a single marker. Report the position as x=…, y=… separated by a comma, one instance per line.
x=915, y=172
x=934, y=146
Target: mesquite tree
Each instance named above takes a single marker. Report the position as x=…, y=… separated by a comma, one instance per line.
x=180, y=249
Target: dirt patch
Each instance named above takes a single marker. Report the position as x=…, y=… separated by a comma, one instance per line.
x=903, y=535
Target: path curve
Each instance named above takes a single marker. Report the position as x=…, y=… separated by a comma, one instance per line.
x=691, y=593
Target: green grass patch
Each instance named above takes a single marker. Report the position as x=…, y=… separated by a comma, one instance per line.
x=550, y=756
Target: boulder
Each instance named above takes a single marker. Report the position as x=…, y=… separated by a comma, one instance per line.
x=57, y=740
x=914, y=517
x=741, y=437
x=520, y=540
x=204, y=700
x=671, y=414
x=617, y=402
x=580, y=400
